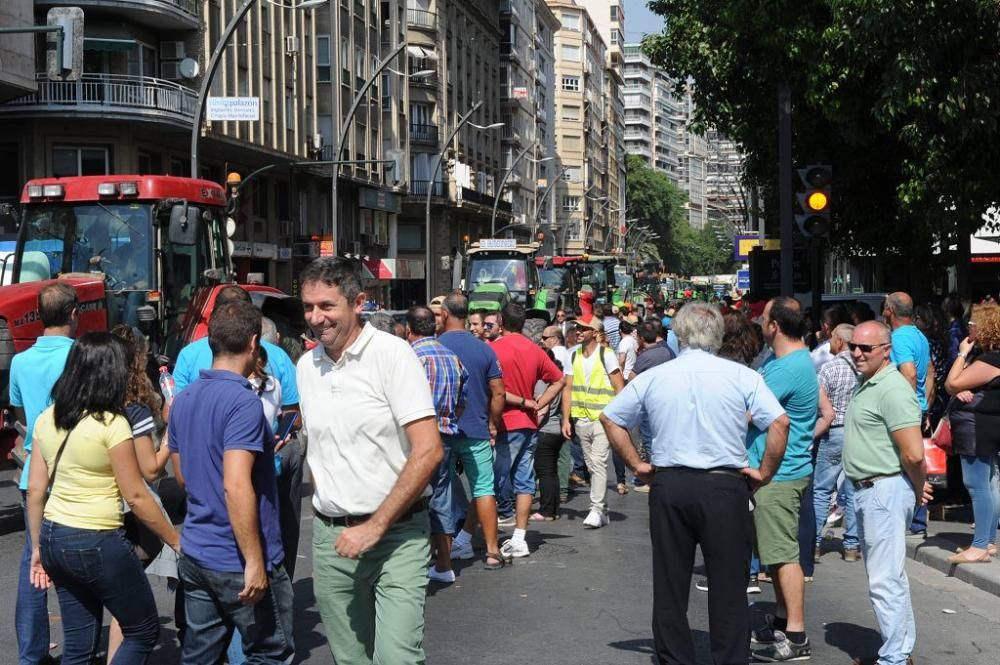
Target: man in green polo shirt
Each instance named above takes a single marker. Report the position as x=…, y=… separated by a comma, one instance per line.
x=884, y=458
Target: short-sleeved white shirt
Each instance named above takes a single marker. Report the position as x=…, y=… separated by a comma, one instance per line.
x=629, y=346
x=354, y=412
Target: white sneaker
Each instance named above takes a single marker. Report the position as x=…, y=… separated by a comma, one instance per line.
x=435, y=575
x=462, y=551
x=595, y=520
x=510, y=549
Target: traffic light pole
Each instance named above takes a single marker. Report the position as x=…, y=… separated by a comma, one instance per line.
x=786, y=233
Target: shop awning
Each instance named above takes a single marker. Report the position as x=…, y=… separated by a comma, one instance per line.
x=395, y=268
x=421, y=52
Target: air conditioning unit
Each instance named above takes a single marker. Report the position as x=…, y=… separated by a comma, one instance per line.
x=285, y=228
x=291, y=45
x=172, y=51
x=308, y=250
x=170, y=71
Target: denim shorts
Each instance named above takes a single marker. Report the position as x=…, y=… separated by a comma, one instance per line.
x=514, y=462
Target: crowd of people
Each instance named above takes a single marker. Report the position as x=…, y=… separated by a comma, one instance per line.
x=749, y=435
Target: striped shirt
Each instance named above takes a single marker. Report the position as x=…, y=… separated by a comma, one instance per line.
x=612, y=330
x=447, y=378
x=839, y=378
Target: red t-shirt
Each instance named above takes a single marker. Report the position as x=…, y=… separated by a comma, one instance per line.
x=523, y=364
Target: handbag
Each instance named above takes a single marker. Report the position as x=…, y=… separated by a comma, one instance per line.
x=942, y=435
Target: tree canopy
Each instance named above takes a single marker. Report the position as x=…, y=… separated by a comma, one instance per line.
x=653, y=200
x=902, y=97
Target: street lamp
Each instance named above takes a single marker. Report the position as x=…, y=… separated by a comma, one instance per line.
x=539, y=206
x=462, y=121
x=342, y=138
x=503, y=183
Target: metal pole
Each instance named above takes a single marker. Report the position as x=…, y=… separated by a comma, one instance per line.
x=430, y=188
x=785, y=188
x=206, y=80
x=545, y=195
x=342, y=139
x=503, y=183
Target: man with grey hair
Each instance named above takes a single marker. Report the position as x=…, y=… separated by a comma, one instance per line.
x=383, y=321
x=700, y=479
x=838, y=379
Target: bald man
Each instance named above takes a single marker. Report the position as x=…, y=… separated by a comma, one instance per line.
x=884, y=462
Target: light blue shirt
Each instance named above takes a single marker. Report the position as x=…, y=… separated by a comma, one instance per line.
x=33, y=372
x=697, y=406
x=672, y=342
x=910, y=346
x=197, y=356
x=792, y=379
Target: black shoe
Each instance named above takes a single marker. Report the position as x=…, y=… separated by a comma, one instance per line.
x=783, y=650
x=766, y=635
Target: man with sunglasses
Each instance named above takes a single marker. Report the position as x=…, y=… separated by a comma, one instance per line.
x=911, y=353
x=884, y=461
x=491, y=327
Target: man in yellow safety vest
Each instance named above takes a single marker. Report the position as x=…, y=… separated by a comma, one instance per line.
x=592, y=381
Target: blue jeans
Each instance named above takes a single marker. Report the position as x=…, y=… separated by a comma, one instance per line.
x=513, y=467
x=93, y=570
x=214, y=611
x=31, y=613
x=807, y=531
x=448, y=503
x=884, y=511
x=828, y=468
x=980, y=477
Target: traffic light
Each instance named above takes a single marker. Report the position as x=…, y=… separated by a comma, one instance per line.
x=814, y=222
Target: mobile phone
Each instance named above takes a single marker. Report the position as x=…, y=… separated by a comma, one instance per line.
x=286, y=423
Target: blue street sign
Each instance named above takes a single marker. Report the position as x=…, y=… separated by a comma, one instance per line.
x=742, y=279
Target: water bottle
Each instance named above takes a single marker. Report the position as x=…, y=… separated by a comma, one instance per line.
x=167, y=385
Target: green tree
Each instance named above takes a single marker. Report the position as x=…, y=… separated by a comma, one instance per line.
x=902, y=97
x=658, y=204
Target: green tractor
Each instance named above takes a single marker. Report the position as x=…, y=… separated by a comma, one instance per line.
x=500, y=271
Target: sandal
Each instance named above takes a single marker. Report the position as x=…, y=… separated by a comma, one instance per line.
x=496, y=556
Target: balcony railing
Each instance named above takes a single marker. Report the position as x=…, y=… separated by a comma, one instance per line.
x=109, y=94
x=424, y=81
x=423, y=134
x=419, y=188
x=160, y=14
x=419, y=18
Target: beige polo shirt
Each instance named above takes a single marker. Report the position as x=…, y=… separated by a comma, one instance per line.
x=354, y=412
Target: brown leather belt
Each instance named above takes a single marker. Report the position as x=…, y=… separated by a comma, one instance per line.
x=418, y=506
x=866, y=483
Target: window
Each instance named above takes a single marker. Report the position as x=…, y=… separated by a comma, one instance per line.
x=345, y=57
x=570, y=203
x=571, y=83
x=420, y=114
x=571, y=143
x=80, y=160
x=570, y=21
x=570, y=52
x=614, y=12
x=570, y=112
x=572, y=174
x=409, y=237
x=322, y=58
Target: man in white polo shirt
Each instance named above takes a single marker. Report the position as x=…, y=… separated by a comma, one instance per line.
x=373, y=447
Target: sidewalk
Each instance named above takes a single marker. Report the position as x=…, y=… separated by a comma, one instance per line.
x=943, y=539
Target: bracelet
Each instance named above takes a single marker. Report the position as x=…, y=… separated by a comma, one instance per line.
x=523, y=401
x=962, y=354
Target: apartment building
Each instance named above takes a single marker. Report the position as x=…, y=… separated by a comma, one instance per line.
x=17, y=78
x=656, y=128
x=581, y=116
x=133, y=109
x=725, y=196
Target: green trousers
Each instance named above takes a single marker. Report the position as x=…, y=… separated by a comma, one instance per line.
x=373, y=607
x=565, y=467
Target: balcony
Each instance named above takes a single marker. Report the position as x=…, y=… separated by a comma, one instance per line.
x=108, y=95
x=158, y=14
x=466, y=195
x=423, y=134
x=421, y=20
x=419, y=188
x=425, y=81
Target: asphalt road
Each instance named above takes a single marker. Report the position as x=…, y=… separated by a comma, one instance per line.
x=583, y=598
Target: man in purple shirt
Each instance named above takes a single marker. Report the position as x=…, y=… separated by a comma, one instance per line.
x=231, y=550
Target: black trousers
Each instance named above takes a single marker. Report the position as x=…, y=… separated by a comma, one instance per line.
x=689, y=508
x=290, y=502
x=547, y=470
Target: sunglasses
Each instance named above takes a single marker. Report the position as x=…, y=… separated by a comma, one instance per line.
x=489, y=326
x=865, y=348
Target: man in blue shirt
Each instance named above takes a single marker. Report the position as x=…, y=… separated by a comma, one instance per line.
x=791, y=376
x=33, y=372
x=197, y=356
x=700, y=479
x=477, y=426
x=231, y=550
x=911, y=353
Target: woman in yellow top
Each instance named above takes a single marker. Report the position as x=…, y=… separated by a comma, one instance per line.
x=84, y=460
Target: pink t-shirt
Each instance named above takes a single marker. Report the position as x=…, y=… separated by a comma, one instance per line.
x=523, y=364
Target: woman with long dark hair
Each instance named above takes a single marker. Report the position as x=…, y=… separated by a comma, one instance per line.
x=83, y=465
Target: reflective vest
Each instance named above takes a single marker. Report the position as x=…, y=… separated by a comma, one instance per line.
x=590, y=394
